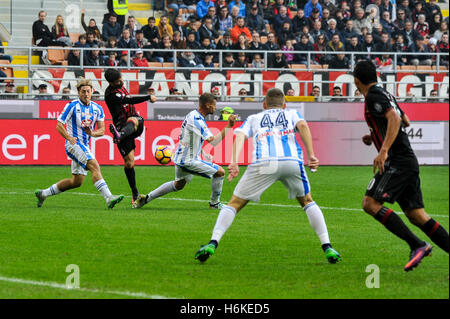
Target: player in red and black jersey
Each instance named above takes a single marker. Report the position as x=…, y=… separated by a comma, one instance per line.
x=397, y=179
x=128, y=124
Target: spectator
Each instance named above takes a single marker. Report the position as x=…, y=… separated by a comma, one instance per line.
x=151, y=32
x=361, y=22
x=290, y=92
x=189, y=60
x=433, y=93
x=249, y=6
x=418, y=10
x=433, y=49
x=432, y=9
x=332, y=24
x=355, y=46
x=278, y=61
x=81, y=43
x=255, y=22
x=178, y=5
x=241, y=62
x=240, y=5
x=387, y=6
x=358, y=94
x=92, y=57
x=339, y=61
x=90, y=40
x=234, y=15
x=225, y=43
x=400, y=47
x=177, y=43
x=111, y=28
x=312, y=4
x=304, y=45
x=178, y=26
x=306, y=32
x=124, y=59
x=66, y=93
x=126, y=42
x=355, y=6
x=226, y=111
x=10, y=92
x=284, y=34
x=327, y=4
x=399, y=23
x=256, y=45
x=207, y=31
x=212, y=14
x=202, y=7
x=281, y=18
x=141, y=42
x=317, y=30
x=443, y=29
x=315, y=17
x=385, y=44
x=404, y=5
x=41, y=33
x=132, y=26
x=368, y=46
x=224, y=22
x=139, y=59
x=174, y=95
x=337, y=92
x=112, y=44
x=208, y=62
x=315, y=91
x=335, y=44
x=165, y=53
x=191, y=42
x=243, y=93
x=421, y=26
x=435, y=23
x=348, y=32
x=164, y=28
x=321, y=46
x=271, y=44
x=205, y=45
x=299, y=21
x=92, y=27
x=268, y=15
x=325, y=18
x=241, y=44
x=112, y=59
x=443, y=47
x=74, y=57
x=409, y=34
x=288, y=47
x=386, y=23
x=384, y=62
x=419, y=47
x=238, y=29
x=3, y=56
x=228, y=60
x=340, y=19
x=257, y=62
x=117, y=8
x=43, y=93
x=60, y=32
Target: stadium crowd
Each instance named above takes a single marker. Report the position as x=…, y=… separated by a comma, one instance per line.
x=363, y=26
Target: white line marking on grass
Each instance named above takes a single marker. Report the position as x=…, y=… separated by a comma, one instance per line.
x=205, y=201
x=92, y=290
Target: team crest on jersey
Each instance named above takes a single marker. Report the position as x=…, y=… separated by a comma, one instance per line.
x=378, y=107
x=118, y=95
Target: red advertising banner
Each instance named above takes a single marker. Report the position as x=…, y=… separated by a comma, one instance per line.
x=36, y=142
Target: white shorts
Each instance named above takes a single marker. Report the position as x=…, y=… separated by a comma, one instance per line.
x=259, y=177
x=196, y=167
x=80, y=155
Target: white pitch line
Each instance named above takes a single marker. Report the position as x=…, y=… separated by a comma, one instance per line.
x=205, y=201
x=92, y=290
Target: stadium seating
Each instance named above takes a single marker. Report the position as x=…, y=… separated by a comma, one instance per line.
x=8, y=71
x=57, y=56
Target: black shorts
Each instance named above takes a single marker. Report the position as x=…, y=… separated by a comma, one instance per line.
x=397, y=185
x=128, y=144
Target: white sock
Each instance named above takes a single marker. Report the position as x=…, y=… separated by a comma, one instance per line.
x=103, y=188
x=52, y=190
x=224, y=221
x=317, y=222
x=216, y=189
x=162, y=190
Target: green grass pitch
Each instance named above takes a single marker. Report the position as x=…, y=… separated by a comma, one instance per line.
x=270, y=251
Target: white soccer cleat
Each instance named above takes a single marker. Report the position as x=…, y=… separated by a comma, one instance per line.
x=112, y=201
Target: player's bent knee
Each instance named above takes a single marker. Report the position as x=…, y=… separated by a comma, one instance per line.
x=237, y=203
x=77, y=181
x=220, y=172
x=179, y=185
x=370, y=205
x=305, y=200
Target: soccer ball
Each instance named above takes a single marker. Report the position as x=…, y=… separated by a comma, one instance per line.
x=163, y=154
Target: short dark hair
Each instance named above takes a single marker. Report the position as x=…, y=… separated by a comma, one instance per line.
x=366, y=72
x=206, y=98
x=112, y=75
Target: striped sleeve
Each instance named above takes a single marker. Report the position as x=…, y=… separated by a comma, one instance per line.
x=201, y=128
x=245, y=128
x=101, y=116
x=296, y=117
x=66, y=113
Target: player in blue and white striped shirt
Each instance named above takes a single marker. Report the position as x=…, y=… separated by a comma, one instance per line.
x=277, y=156
x=80, y=117
x=194, y=132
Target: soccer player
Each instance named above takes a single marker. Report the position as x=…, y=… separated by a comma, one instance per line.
x=397, y=179
x=80, y=116
x=194, y=131
x=128, y=124
x=277, y=156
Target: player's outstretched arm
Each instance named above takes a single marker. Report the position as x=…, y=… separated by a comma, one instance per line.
x=219, y=137
x=100, y=131
x=394, y=122
x=62, y=130
x=233, y=168
x=305, y=134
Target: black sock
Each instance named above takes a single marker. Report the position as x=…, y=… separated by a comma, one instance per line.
x=395, y=225
x=127, y=130
x=131, y=176
x=437, y=233
x=326, y=246
x=214, y=242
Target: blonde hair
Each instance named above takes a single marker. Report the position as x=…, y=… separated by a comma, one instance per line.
x=66, y=33
x=84, y=82
x=274, y=98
